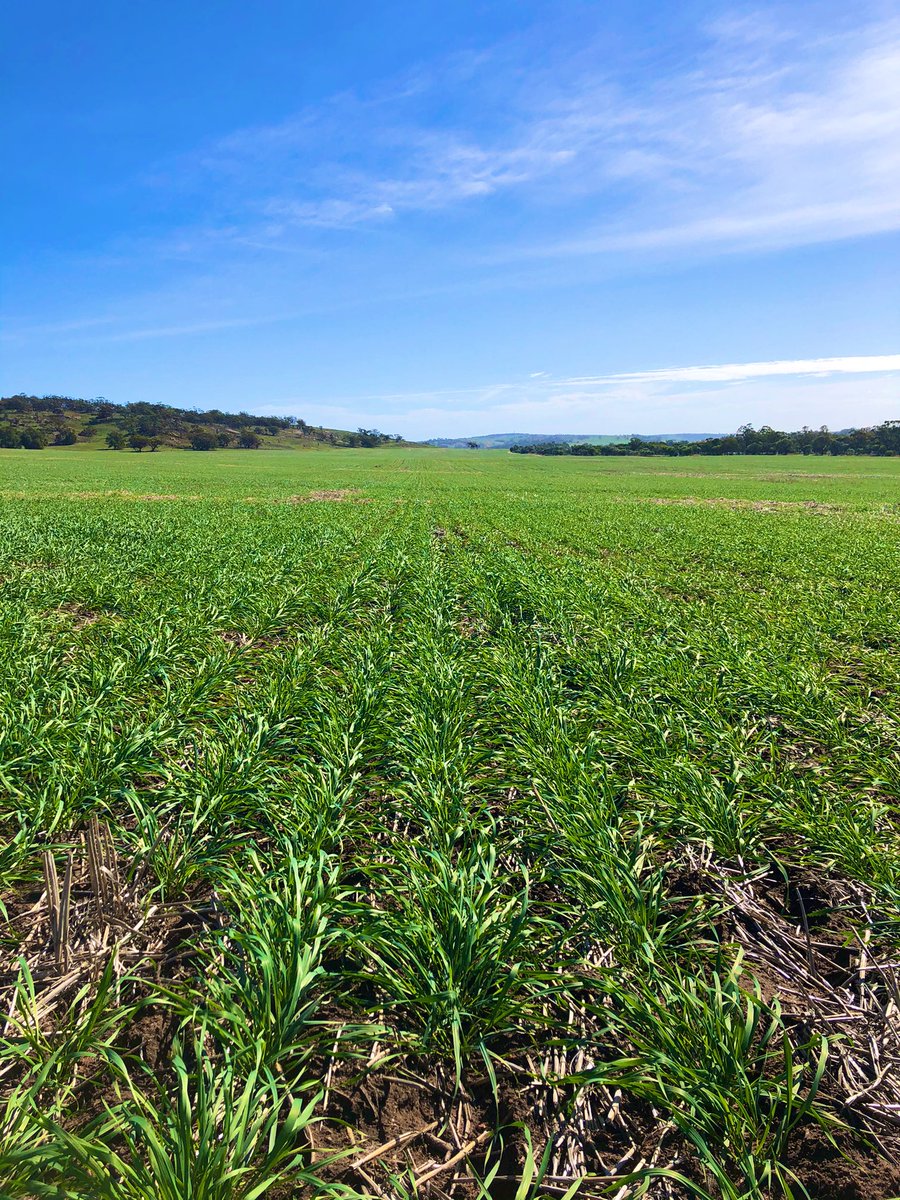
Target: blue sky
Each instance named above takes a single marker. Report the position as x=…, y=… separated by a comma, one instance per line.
x=452, y=219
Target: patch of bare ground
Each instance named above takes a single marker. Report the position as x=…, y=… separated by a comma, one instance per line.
x=778, y=477
x=235, y=639
x=595, y=1132
x=400, y=1117
x=472, y=627
x=697, y=474
x=846, y=1171
x=790, y=747
x=79, y=616
x=796, y=476
x=808, y=940
x=861, y=674
x=404, y=1118
x=165, y=496
x=328, y=495
x=272, y=641
x=36, y=565
x=737, y=505
x=410, y=1119
x=683, y=596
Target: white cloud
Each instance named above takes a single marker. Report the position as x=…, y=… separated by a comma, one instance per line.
x=731, y=372
x=798, y=144
x=768, y=137
x=855, y=390
x=541, y=382
x=415, y=169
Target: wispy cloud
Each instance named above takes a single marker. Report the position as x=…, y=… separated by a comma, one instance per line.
x=860, y=364
x=193, y=327
x=767, y=137
x=14, y=333
x=774, y=142
x=392, y=163
x=705, y=397
x=543, y=381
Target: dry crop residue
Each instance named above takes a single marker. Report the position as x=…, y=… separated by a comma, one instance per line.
x=79, y=616
x=235, y=639
x=124, y=495
x=767, y=506
x=326, y=495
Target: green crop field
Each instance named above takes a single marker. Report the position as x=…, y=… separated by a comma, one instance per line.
x=405, y=823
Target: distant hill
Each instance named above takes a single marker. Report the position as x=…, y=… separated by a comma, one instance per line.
x=33, y=422
x=503, y=441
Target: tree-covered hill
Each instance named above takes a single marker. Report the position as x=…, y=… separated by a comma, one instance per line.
x=883, y=439
x=33, y=422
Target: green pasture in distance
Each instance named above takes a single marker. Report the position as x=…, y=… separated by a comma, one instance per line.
x=448, y=808
x=852, y=482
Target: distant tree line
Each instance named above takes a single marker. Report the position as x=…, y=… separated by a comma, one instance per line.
x=33, y=422
x=881, y=440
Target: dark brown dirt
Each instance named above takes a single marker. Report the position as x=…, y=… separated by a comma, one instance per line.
x=807, y=895
x=851, y=1172
x=151, y=1036
x=472, y=627
x=403, y=1119
x=861, y=676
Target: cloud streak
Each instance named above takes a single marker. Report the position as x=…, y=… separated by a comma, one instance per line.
x=703, y=398
x=540, y=382
x=766, y=138
x=860, y=364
